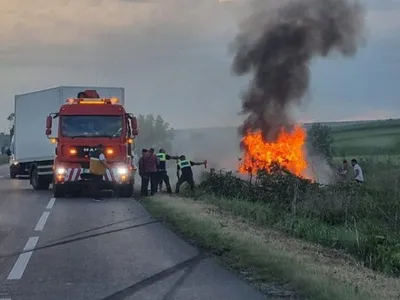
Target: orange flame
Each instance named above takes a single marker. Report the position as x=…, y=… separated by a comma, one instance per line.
x=288, y=151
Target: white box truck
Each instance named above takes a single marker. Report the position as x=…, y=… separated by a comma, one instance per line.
x=32, y=150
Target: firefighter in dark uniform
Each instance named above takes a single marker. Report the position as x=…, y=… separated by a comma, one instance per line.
x=162, y=174
x=185, y=167
x=97, y=167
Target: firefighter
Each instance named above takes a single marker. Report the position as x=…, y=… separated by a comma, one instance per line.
x=97, y=167
x=162, y=174
x=185, y=167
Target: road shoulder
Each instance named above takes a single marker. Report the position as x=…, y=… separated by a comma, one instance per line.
x=263, y=256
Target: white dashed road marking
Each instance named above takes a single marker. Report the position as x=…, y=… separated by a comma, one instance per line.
x=50, y=205
x=23, y=259
x=42, y=221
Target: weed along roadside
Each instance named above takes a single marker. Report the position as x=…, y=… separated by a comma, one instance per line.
x=269, y=255
x=326, y=242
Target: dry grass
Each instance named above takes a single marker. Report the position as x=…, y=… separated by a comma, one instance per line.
x=318, y=272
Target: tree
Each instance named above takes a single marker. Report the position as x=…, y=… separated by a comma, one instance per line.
x=320, y=139
x=154, y=132
x=10, y=119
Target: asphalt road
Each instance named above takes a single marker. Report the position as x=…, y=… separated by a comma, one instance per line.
x=73, y=248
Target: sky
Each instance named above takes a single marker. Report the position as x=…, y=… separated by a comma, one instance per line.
x=172, y=58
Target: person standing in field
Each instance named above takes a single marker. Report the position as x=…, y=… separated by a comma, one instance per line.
x=344, y=171
x=358, y=173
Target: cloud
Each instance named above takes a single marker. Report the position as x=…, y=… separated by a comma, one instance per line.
x=94, y=24
x=170, y=55
x=86, y=31
x=177, y=46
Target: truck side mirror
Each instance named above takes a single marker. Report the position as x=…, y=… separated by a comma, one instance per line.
x=49, y=125
x=49, y=122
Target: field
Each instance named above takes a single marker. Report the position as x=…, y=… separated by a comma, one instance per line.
x=374, y=138
x=375, y=145
x=340, y=241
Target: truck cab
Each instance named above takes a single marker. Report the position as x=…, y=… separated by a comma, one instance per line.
x=83, y=124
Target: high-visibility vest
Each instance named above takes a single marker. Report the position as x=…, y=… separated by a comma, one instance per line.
x=162, y=156
x=95, y=165
x=184, y=164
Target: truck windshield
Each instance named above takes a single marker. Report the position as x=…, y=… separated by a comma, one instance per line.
x=91, y=126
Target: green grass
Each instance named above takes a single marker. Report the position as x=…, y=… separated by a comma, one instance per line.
x=369, y=145
x=371, y=138
x=380, y=141
x=363, y=221
x=369, y=125
x=369, y=135
x=380, y=171
x=372, y=159
x=268, y=257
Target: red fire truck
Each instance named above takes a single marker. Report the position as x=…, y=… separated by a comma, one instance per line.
x=84, y=123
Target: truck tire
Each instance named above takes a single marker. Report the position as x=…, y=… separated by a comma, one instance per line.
x=125, y=191
x=58, y=190
x=37, y=182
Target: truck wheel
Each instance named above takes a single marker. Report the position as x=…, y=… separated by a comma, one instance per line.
x=126, y=191
x=37, y=182
x=58, y=190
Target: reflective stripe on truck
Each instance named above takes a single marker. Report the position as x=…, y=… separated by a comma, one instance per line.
x=74, y=174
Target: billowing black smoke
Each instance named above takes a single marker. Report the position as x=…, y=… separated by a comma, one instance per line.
x=276, y=46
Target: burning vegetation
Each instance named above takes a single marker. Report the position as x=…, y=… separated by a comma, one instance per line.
x=287, y=151
x=276, y=46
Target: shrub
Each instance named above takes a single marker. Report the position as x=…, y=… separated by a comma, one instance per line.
x=362, y=220
x=320, y=138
